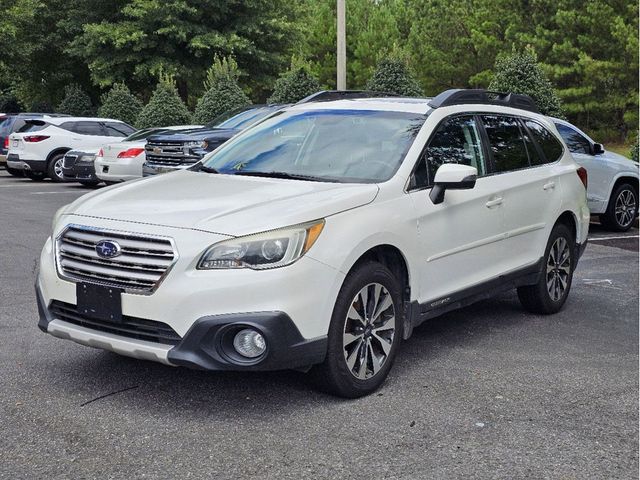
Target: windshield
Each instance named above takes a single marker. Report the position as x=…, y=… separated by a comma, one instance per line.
x=142, y=134
x=243, y=119
x=359, y=146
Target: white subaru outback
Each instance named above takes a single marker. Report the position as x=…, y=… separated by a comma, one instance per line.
x=319, y=238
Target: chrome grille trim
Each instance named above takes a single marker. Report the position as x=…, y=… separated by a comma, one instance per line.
x=143, y=263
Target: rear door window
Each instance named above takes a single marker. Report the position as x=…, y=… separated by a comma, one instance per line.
x=88, y=128
x=576, y=142
x=506, y=143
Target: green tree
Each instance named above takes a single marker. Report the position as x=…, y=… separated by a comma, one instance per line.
x=9, y=103
x=633, y=153
x=393, y=75
x=520, y=73
x=165, y=108
x=295, y=84
x=177, y=36
x=222, y=91
x=76, y=102
x=121, y=104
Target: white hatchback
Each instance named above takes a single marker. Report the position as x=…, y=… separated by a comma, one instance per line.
x=322, y=236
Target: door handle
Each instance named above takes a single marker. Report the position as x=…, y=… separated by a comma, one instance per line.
x=494, y=202
x=549, y=186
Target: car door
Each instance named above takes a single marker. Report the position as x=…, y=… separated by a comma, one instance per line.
x=530, y=185
x=89, y=134
x=599, y=175
x=459, y=240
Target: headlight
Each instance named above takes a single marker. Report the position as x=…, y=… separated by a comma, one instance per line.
x=87, y=158
x=196, y=144
x=272, y=249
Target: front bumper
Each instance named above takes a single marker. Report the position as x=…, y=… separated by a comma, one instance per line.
x=80, y=173
x=206, y=345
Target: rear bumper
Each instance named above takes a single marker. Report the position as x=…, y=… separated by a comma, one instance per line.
x=14, y=161
x=3, y=159
x=149, y=169
x=207, y=345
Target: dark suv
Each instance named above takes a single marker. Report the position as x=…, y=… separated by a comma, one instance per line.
x=180, y=149
x=12, y=122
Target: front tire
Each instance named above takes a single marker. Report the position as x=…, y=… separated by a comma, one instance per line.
x=549, y=294
x=364, y=334
x=55, y=168
x=622, y=209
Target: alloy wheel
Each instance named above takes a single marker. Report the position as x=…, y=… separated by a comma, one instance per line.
x=625, y=208
x=57, y=168
x=558, y=268
x=369, y=330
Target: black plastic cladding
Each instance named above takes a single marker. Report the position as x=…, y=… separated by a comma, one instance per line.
x=459, y=96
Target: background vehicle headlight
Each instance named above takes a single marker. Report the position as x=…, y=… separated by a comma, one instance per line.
x=87, y=158
x=272, y=249
x=196, y=144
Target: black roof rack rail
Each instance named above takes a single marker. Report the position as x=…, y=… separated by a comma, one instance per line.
x=329, y=95
x=462, y=96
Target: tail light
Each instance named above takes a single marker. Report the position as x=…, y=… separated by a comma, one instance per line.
x=35, y=138
x=582, y=173
x=6, y=143
x=130, y=153
x=100, y=153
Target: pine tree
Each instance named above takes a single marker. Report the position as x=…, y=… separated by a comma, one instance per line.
x=222, y=92
x=165, y=108
x=76, y=102
x=392, y=75
x=295, y=84
x=119, y=103
x=520, y=73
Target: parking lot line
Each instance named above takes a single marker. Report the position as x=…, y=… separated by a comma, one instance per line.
x=597, y=239
x=58, y=191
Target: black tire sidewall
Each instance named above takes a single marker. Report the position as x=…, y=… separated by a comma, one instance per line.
x=347, y=384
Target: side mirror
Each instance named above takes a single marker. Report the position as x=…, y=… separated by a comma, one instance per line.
x=598, y=149
x=452, y=176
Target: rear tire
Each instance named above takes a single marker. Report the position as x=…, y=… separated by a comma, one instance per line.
x=15, y=172
x=54, y=168
x=549, y=294
x=622, y=208
x=364, y=334
x=35, y=176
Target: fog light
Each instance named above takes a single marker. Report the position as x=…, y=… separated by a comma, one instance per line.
x=249, y=343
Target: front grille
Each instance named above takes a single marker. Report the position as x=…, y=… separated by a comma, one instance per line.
x=168, y=153
x=69, y=161
x=131, y=327
x=140, y=266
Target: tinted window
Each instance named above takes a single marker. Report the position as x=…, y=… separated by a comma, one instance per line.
x=88, y=128
x=245, y=119
x=535, y=154
x=314, y=144
x=4, y=125
x=27, y=126
x=506, y=143
x=116, y=129
x=576, y=142
x=456, y=141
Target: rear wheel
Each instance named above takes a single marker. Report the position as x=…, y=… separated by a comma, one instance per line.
x=35, y=176
x=551, y=291
x=364, y=334
x=622, y=208
x=55, y=168
x=15, y=172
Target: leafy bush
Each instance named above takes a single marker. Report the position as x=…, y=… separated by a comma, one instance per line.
x=222, y=92
x=9, y=103
x=165, y=108
x=76, y=102
x=119, y=103
x=41, y=106
x=520, y=73
x=295, y=84
x=633, y=153
x=392, y=75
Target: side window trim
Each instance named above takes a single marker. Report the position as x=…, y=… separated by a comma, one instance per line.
x=421, y=157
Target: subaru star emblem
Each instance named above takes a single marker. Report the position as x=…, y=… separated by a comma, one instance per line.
x=107, y=249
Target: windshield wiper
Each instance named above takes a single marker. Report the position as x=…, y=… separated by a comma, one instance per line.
x=203, y=168
x=288, y=176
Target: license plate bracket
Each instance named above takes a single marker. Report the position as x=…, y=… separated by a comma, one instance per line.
x=99, y=302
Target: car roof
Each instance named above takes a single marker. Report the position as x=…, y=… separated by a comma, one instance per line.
x=61, y=120
x=394, y=104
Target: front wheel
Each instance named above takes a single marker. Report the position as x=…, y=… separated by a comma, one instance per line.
x=622, y=209
x=364, y=334
x=549, y=294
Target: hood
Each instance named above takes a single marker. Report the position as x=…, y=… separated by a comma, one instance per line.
x=223, y=204
x=619, y=160
x=194, y=134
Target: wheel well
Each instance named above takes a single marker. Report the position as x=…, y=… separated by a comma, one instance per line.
x=567, y=218
x=393, y=259
x=630, y=180
x=56, y=152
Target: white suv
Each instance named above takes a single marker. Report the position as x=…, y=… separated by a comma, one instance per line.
x=319, y=238
x=612, y=191
x=39, y=146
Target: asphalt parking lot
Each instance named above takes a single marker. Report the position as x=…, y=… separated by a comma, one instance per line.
x=486, y=392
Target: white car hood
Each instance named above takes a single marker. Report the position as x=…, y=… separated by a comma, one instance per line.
x=223, y=204
x=621, y=161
